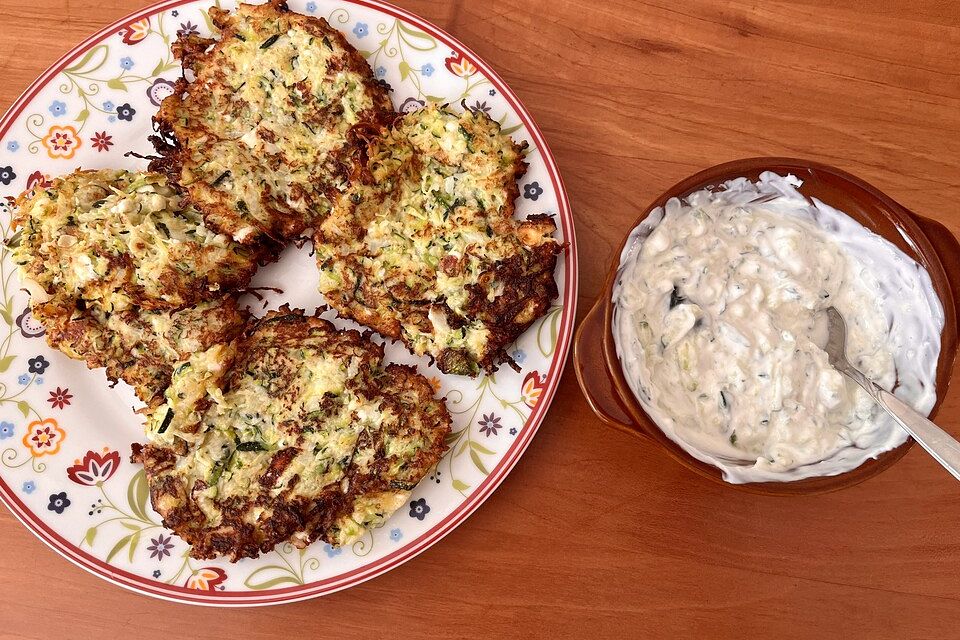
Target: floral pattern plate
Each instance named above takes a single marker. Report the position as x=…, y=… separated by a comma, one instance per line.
x=65, y=436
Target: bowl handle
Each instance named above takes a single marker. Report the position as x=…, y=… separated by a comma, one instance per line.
x=948, y=250
x=592, y=373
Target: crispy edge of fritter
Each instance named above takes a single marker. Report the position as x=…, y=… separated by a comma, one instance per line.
x=73, y=329
x=301, y=520
x=528, y=291
x=181, y=292
x=169, y=142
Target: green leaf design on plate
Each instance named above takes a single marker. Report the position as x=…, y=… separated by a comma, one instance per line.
x=552, y=322
x=24, y=407
x=404, y=70
x=261, y=578
x=137, y=494
x=117, y=548
x=134, y=542
x=482, y=449
x=157, y=70
x=460, y=485
x=5, y=363
x=416, y=39
x=90, y=535
x=89, y=63
x=478, y=463
x=117, y=83
x=83, y=115
x=5, y=312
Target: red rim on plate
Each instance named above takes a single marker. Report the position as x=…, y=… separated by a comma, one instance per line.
x=475, y=499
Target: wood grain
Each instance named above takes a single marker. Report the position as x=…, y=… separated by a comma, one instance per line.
x=595, y=533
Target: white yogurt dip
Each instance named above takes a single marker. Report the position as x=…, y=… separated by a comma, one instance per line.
x=720, y=332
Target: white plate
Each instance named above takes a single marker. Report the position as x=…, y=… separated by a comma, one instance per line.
x=65, y=436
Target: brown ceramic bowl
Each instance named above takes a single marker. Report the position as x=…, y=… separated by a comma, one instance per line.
x=926, y=241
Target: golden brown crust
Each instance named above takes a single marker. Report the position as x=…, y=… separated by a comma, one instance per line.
x=259, y=139
x=307, y=470
x=137, y=346
x=118, y=239
x=424, y=248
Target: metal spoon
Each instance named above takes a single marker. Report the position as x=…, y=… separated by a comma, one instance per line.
x=935, y=440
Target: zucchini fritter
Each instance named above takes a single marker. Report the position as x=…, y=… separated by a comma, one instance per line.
x=424, y=246
x=260, y=138
x=138, y=346
x=294, y=432
x=118, y=239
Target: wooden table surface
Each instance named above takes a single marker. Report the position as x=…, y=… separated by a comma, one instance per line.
x=596, y=533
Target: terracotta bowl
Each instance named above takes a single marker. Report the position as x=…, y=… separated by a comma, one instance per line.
x=926, y=241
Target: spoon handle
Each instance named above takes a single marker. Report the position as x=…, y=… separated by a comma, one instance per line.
x=938, y=443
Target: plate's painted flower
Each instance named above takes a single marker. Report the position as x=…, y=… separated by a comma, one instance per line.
x=381, y=72
x=29, y=326
x=480, y=107
x=187, y=29
x=206, y=579
x=61, y=142
x=492, y=92
x=23, y=379
x=532, y=389
x=6, y=430
x=159, y=90
x=490, y=425
x=29, y=486
x=126, y=63
x=135, y=31
x=58, y=502
x=459, y=65
x=38, y=179
x=37, y=365
x=13, y=146
x=126, y=112
x=396, y=535
x=57, y=108
x=311, y=6
x=419, y=509
x=156, y=573
x=411, y=104
x=519, y=355
x=427, y=69
x=361, y=30
x=532, y=191
x=7, y=175
x=161, y=547
x=101, y=141
x=109, y=107
x=332, y=552
x=95, y=468
x=44, y=437
x=60, y=398
x=513, y=431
